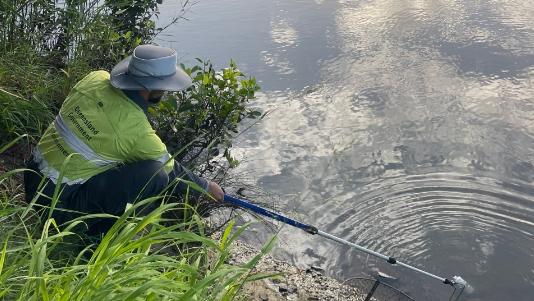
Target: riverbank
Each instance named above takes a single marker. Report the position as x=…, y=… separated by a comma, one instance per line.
x=294, y=283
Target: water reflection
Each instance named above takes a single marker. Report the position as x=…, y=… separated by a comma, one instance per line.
x=401, y=115
x=483, y=59
x=405, y=126
x=283, y=34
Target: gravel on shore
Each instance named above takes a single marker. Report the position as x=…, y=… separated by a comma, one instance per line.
x=307, y=284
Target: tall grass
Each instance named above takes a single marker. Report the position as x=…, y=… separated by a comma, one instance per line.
x=139, y=258
x=31, y=92
x=47, y=46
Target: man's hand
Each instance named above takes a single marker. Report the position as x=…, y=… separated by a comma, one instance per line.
x=215, y=191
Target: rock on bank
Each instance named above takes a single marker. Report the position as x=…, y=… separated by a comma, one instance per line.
x=295, y=284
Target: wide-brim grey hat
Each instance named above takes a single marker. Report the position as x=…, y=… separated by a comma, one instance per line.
x=151, y=68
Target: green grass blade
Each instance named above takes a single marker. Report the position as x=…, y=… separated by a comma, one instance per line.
x=3, y=256
x=5, y=147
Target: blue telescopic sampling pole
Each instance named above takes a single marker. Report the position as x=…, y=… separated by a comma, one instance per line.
x=456, y=281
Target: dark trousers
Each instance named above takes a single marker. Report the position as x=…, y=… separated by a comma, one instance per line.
x=108, y=192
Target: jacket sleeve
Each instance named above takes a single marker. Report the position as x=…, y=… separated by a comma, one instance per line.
x=182, y=173
x=149, y=146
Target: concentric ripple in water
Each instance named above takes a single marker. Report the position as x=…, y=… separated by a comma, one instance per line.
x=445, y=222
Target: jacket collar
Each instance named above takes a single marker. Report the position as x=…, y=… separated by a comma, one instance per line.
x=137, y=99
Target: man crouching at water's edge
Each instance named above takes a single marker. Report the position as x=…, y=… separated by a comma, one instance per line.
x=101, y=148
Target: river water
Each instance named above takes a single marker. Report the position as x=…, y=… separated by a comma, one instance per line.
x=403, y=126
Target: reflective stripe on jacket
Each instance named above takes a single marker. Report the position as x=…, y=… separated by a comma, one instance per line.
x=98, y=127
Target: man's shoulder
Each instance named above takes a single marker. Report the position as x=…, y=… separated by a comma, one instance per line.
x=95, y=92
x=102, y=74
x=94, y=77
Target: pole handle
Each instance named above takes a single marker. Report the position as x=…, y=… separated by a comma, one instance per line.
x=271, y=214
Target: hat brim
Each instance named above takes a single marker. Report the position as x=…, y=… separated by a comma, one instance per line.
x=121, y=79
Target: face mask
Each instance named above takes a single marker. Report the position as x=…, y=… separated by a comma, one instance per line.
x=155, y=99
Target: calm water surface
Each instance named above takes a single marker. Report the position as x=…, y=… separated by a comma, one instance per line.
x=404, y=126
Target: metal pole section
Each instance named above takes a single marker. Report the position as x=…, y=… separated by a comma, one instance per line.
x=386, y=258
x=313, y=230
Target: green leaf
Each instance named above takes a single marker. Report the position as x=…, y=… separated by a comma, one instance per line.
x=226, y=234
x=206, y=79
x=262, y=275
x=195, y=69
x=3, y=256
x=5, y=147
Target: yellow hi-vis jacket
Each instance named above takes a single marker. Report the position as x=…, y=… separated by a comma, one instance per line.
x=99, y=127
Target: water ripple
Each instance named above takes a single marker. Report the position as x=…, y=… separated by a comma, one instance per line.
x=464, y=221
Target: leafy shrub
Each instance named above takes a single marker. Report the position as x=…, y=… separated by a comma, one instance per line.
x=201, y=121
